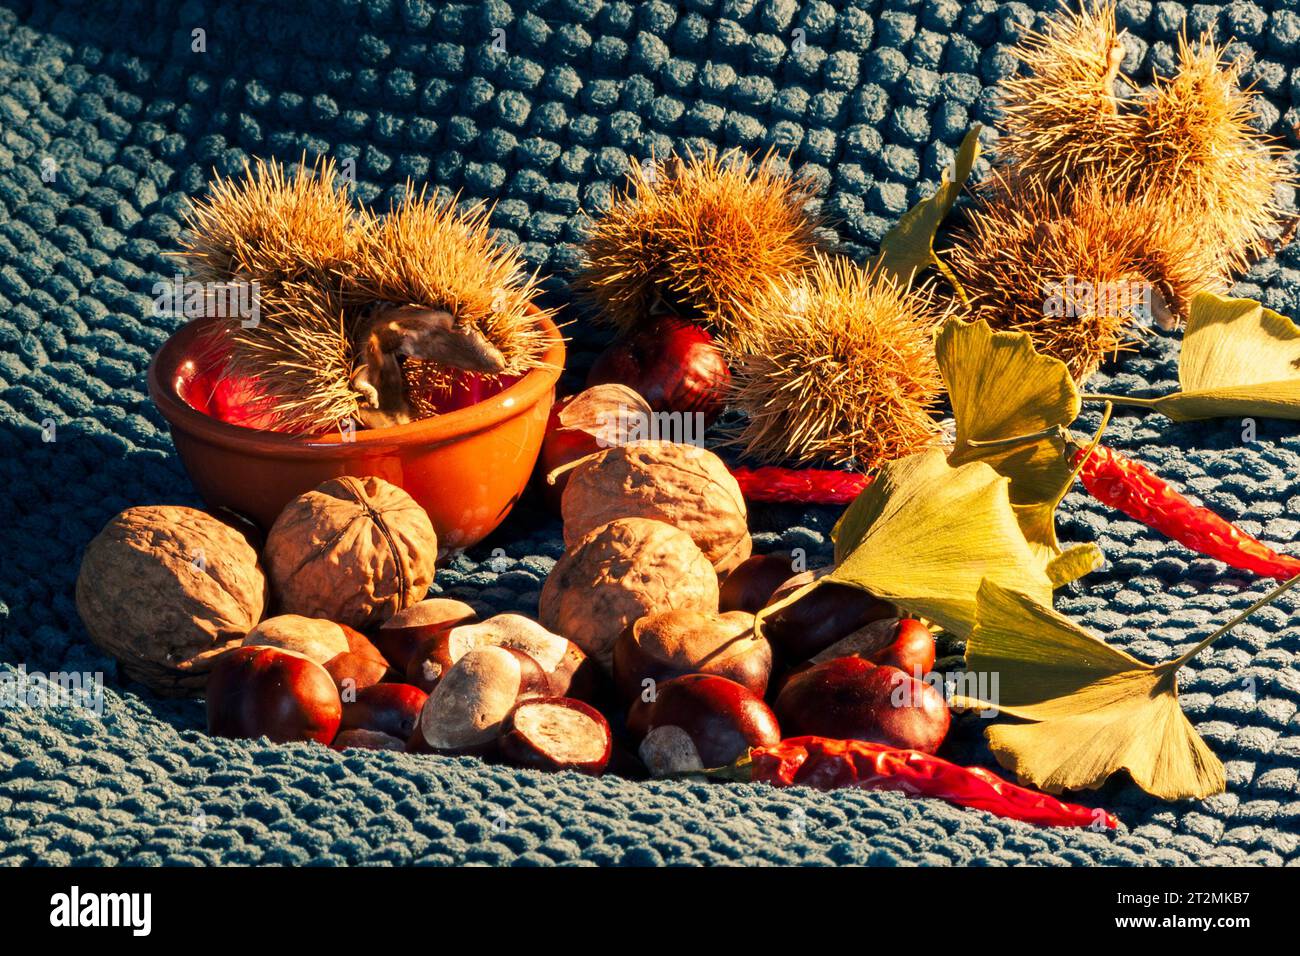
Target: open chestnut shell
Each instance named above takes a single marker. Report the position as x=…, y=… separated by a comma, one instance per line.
x=557, y=733
x=466, y=711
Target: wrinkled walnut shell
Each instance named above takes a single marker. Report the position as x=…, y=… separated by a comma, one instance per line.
x=620, y=572
x=165, y=590
x=681, y=485
x=354, y=550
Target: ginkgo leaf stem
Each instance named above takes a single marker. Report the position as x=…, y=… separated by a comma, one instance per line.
x=1262, y=602
x=1122, y=399
x=1053, y=431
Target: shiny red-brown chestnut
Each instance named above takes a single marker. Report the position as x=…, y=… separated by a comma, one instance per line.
x=466, y=711
x=268, y=691
x=821, y=617
x=674, y=364
x=557, y=733
x=903, y=643
x=853, y=699
x=750, y=585
x=392, y=709
x=413, y=627
x=347, y=654
x=658, y=647
x=580, y=425
x=911, y=650
x=699, y=721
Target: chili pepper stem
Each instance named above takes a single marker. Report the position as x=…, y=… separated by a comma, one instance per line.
x=1262, y=602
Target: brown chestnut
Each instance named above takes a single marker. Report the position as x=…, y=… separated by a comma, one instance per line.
x=392, y=709
x=569, y=671
x=751, y=584
x=820, y=617
x=557, y=733
x=699, y=720
x=659, y=647
x=674, y=364
x=411, y=628
x=347, y=654
x=903, y=643
x=853, y=699
x=466, y=710
x=271, y=692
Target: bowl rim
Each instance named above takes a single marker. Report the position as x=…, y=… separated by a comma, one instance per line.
x=508, y=403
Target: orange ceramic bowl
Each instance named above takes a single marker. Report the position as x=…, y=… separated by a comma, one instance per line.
x=466, y=468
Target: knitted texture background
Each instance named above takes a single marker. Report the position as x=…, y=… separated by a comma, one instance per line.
x=110, y=114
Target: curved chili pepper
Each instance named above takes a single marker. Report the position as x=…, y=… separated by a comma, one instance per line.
x=808, y=486
x=1133, y=489
x=825, y=764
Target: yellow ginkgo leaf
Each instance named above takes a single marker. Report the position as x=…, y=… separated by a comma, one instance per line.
x=1090, y=710
x=1001, y=388
x=1239, y=359
x=925, y=534
x=908, y=248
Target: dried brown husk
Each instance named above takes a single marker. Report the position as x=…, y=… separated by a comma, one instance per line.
x=1060, y=116
x=1203, y=158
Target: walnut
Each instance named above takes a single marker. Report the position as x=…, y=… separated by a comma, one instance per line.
x=165, y=590
x=620, y=572
x=682, y=485
x=354, y=551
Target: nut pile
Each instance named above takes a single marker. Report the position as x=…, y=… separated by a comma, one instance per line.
x=644, y=657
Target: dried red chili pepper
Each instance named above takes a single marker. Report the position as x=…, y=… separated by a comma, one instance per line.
x=808, y=486
x=1133, y=489
x=825, y=764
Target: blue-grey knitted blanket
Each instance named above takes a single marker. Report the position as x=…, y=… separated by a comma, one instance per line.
x=111, y=113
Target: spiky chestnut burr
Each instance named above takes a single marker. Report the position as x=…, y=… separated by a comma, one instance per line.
x=291, y=234
x=358, y=314
x=843, y=372
x=1203, y=159
x=270, y=226
x=695, y=236
x=1060, y=115
x=1078, y=273
x=430, y=252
